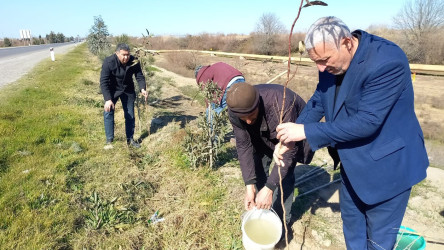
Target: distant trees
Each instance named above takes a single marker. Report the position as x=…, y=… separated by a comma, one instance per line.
x=268, y=30
x=97, y=39
x=421, y=23
x=37, y=41
x=52, y=37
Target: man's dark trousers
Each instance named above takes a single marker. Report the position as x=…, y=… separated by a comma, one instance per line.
x=262, y=165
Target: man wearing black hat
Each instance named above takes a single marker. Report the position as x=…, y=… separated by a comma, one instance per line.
x=254, y=113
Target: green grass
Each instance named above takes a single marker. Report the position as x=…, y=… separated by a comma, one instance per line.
x=60, y=189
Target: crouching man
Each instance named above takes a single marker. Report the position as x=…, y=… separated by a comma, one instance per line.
x=254, y=113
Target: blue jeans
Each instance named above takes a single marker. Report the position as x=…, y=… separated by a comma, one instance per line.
x=127, y=101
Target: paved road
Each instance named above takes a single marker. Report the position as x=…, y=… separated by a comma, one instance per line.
x=17, y=61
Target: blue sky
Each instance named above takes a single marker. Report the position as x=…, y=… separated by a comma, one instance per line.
x=181, y=17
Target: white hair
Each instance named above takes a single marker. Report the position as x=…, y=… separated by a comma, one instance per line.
x=328, y=29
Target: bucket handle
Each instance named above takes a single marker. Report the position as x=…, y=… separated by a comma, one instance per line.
x=249, y=212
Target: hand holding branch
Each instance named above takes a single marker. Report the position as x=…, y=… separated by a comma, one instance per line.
x=290, y=132
x=279, y=151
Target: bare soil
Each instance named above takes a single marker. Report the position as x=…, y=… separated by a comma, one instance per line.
x=316, y=221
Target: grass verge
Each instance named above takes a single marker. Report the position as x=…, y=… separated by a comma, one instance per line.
x=60, y=189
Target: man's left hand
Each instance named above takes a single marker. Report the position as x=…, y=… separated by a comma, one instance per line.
x=279, y=151
x=264, y=198
x=145, y=94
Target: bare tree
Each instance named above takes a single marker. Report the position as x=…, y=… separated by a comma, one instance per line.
x=419, y=20
x=266, y=33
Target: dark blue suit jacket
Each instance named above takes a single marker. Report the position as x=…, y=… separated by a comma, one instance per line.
x=373, y=122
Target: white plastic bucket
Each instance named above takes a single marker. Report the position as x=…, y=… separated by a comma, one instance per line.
x=261, y=229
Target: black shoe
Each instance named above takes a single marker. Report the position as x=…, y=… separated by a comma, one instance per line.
x=133, y=143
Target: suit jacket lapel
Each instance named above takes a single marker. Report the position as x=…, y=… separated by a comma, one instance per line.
x=353, y=71
x=343, y=92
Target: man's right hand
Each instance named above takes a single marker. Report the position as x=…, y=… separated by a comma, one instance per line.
x=250, y=196
x=109, y=105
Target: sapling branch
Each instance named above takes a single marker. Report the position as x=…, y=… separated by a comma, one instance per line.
x=308, y=3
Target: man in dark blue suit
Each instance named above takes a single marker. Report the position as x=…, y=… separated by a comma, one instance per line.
x=365, y=93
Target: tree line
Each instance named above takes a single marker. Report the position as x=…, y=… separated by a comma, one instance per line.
x=52, y=37
x=418, y=29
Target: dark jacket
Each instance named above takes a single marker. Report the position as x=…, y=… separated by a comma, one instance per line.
x=116, y=78
x=219, y=73
x=261, y=136
x=372, y=124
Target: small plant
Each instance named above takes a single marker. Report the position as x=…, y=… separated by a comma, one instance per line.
x=40, y=202
x=104, y=214
x=203, y=145
x=270, y=71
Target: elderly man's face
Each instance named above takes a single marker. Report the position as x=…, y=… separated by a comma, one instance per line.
x=123, y=56
x=332, y=59
x=251, y=118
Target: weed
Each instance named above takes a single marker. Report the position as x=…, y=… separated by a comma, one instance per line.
x=104, y=214
x=270, y=71
x=74, y=183
x=87, y=82
x=42, y=200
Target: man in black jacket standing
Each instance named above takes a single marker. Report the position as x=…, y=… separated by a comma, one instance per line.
x=116, y=81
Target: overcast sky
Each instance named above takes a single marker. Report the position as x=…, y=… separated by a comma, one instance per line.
x=180, y=17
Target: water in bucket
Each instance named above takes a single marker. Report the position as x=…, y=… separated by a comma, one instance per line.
x=261, y=229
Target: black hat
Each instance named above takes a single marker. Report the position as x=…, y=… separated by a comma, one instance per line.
x=242, y=99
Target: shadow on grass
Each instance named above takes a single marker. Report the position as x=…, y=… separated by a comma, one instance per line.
x=162, y=119
x=171, y=102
